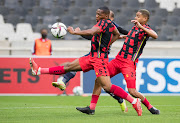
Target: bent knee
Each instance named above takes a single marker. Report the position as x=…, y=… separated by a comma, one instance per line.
x=132, y=91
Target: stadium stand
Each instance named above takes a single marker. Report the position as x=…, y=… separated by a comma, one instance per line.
x=165, y=16
x=6, y=30
x=75, y=11
x=1, y=19
x=24, y=29
x=4, y=10
x=11, y=4
x=47, y=4
x=134, y=4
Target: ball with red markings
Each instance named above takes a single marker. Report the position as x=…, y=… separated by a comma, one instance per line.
x=58, y=30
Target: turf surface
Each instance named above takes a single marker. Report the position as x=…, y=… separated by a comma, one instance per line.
x=52, y=109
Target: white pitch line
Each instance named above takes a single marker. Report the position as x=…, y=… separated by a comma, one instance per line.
x=76, y=106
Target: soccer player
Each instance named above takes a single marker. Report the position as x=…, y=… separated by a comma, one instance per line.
x=126, y=59
x=64, y=79
x=104, y=34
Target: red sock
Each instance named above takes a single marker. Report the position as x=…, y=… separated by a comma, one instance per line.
x=94, y=100
x=53, y=70
x=118, y=91
x=147, y=104
x=44, y=70
x=129, y=98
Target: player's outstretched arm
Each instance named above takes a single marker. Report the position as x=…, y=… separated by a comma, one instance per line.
x=151, y=33
x=116, y=35
x=77, y=31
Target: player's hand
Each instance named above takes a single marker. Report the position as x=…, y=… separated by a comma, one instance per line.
x=77, y=29
x=136, y=23
x=122, y=36
x=70, y=30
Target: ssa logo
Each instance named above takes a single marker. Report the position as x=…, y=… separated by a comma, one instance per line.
x=158, y=76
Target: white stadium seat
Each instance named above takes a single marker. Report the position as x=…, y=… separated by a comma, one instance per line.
x=7, y=30
x=24, y=29
x=33, y=36
x=16, y=38
x=1, y=19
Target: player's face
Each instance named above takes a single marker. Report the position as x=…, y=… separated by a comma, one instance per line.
x=100, y=15
x=44, y=33
x=140, y=18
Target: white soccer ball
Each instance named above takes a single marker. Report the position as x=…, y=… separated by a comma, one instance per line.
x=78, y=91
x=58, y=30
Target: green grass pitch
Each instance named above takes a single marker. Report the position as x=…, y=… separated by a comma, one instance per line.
x=52, y=109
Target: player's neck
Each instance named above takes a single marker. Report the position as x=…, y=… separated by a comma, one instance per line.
x=143, y=23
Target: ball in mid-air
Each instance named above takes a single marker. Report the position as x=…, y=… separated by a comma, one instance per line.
x=58, y=30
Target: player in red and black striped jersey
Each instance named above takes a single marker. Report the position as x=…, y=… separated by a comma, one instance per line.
x=126, y=59
x=104, y=34
x=64, y=79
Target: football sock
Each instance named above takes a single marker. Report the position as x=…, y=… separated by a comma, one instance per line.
x=53, y=70
x=94, y=100
x=118, y=91
x=120, y=100
x=147, y=104
x=68, y=76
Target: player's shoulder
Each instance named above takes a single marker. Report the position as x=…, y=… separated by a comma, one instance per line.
x=147, y=26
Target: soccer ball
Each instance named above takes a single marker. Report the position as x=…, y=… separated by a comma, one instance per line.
x=58, y=30
x=78, y=91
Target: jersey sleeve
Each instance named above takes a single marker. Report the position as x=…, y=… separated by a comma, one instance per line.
x=102, y=24
x=148, y=27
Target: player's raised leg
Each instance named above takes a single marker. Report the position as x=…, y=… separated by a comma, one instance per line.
x=58, y=70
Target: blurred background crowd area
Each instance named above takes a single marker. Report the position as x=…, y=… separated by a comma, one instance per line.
x=23, y=19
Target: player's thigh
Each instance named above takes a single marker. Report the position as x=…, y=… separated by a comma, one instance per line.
x=73, y=66
x=129, y=74
x=85, y=63
x=65, y=64
x=105, y=82
x=113, y=68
